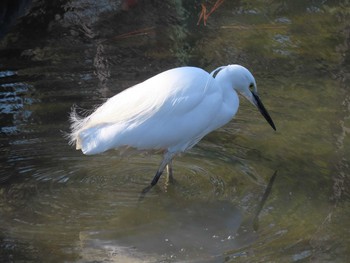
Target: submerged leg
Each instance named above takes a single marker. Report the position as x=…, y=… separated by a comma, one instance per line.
x=168, y=156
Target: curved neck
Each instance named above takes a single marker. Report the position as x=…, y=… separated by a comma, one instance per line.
x=230, y=96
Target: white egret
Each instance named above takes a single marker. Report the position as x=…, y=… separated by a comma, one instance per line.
x=171, y=111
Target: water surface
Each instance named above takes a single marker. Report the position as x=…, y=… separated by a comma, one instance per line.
x=61, y=206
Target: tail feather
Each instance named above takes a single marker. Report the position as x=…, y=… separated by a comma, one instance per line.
x=91, y=139
x=99, y=138
x=77, y=123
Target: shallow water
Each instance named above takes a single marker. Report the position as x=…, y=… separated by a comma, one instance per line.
x=58, y=205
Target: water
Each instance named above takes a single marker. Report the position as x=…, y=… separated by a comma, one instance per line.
x=57, y=205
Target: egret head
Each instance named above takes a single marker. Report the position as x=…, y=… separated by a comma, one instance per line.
x=244, y=83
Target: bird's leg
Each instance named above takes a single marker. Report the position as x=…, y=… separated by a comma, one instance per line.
x=169, y=169
x=169, y=178
x=156, y=178
x=168, y=156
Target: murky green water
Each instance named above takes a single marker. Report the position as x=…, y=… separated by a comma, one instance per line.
x=57, y=205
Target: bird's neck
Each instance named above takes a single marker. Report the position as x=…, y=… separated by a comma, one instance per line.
x=230, y=96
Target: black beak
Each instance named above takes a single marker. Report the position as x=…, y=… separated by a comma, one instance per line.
x=262, y=110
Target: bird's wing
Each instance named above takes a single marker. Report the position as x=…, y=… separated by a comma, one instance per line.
x=152, y=114
x=185, y=112
x=176, y=91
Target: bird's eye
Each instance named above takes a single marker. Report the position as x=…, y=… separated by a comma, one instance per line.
x=251, y=86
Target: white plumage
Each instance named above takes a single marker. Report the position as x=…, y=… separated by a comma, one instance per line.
x=171, y=111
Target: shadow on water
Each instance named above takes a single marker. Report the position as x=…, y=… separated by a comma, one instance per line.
x=58, y=205
x=263, y=201
x=175, y=236
x=204, y=231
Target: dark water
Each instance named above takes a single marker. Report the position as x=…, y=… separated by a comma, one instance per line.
x=57, y=205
